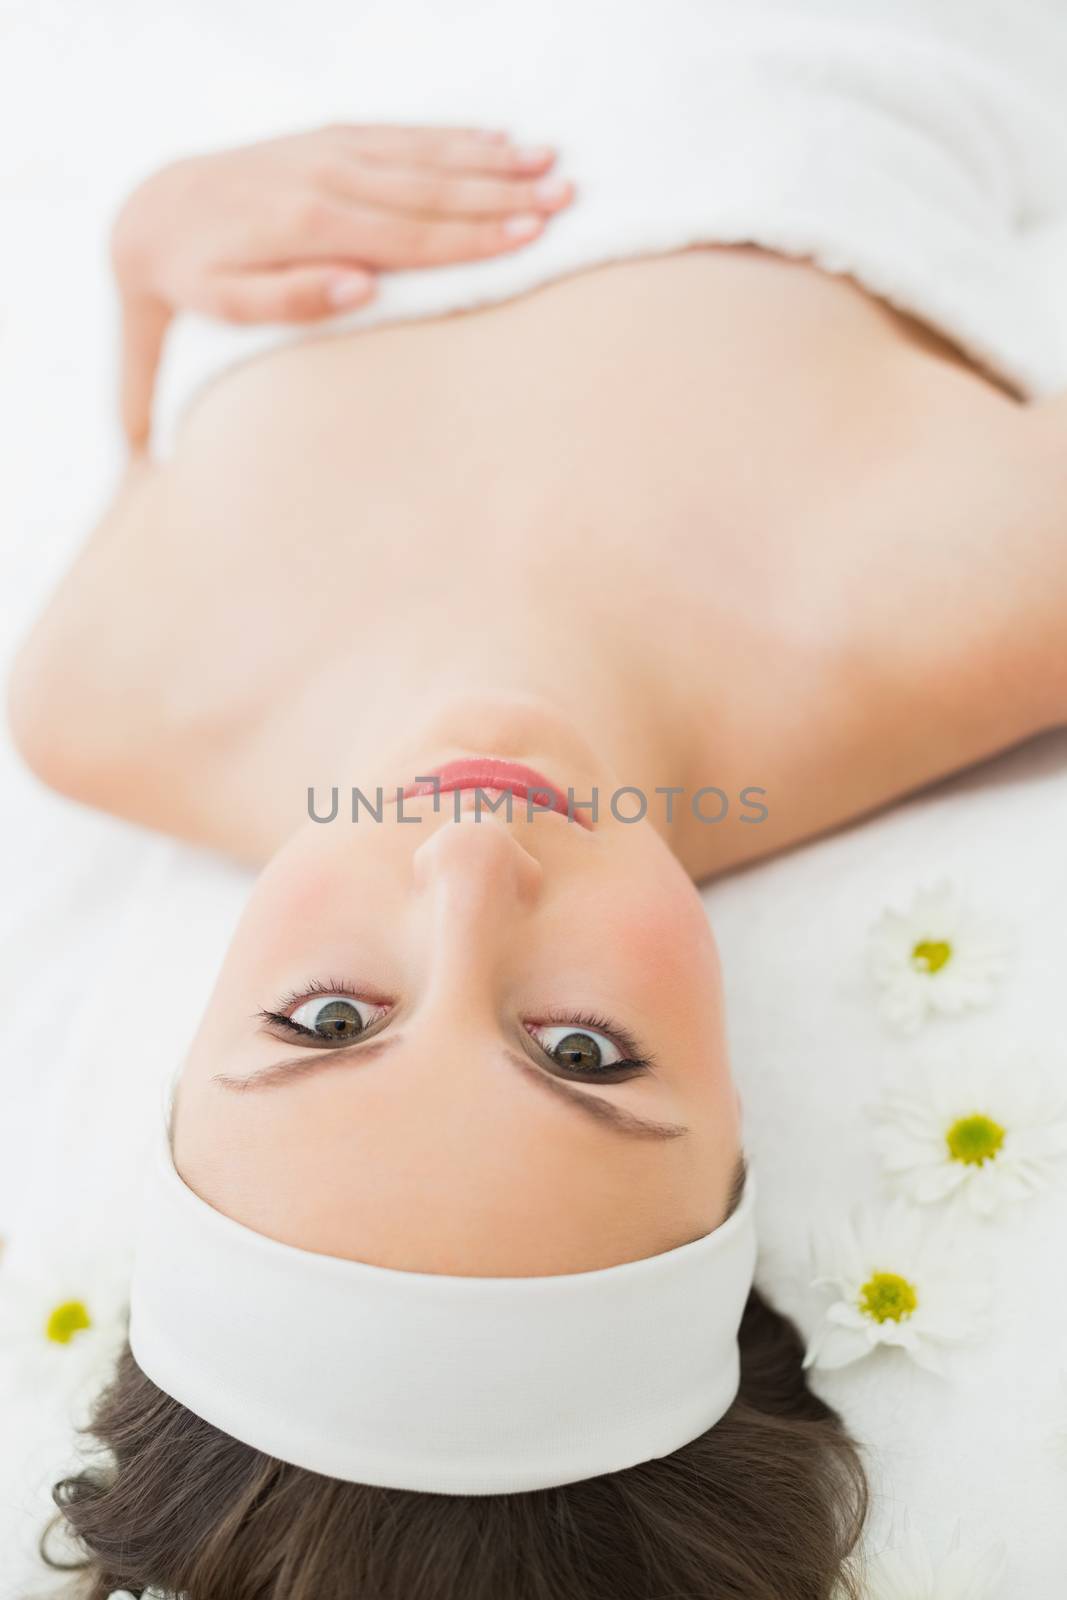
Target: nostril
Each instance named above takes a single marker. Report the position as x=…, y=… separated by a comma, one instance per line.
x=478, y=855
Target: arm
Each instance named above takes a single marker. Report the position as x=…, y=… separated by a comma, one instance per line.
x=295, y=229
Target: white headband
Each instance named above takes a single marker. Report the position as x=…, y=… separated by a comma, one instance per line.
x=420, y=1381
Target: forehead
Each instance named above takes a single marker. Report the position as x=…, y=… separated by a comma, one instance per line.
x=434, y=1167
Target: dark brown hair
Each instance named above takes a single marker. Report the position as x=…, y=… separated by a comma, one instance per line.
x=763, y=1506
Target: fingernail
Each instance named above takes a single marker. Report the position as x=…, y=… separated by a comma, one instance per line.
x=536, y=156
x=552, y=190
x=348, y=288
x=523, y=227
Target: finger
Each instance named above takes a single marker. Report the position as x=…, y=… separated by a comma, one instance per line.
x=428, y=192
x=454, y=150
x=383, y=240
x=291, y=294
x=144, y=326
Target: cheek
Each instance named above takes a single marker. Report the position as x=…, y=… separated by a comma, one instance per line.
x=317, y=891
x=298, y=882
x=666, y=936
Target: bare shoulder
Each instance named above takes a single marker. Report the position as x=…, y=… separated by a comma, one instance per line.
x=921, y=630
x=92, y=688
x=966, y=544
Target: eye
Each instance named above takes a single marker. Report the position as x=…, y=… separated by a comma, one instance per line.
x=330, y=1015
x=582, y=1050
x=340, y=1017
x=578, y=1048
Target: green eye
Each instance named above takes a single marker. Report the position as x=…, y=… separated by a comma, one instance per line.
x=334, y=1016
x=578, y=1049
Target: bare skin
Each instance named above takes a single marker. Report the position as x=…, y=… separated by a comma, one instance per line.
x=743, y=520
x=710, y=519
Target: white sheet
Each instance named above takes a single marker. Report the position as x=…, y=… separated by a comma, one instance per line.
x=109, y=937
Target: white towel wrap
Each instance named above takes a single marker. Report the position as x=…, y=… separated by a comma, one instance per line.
x=916, y=145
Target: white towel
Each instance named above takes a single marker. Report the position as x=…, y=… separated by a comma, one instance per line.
x=914, y=147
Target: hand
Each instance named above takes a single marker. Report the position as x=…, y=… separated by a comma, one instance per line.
x=295, y=229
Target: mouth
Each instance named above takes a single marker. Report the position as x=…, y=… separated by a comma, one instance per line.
x=492, y=774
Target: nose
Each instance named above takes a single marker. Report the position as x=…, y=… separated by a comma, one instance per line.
x=474, y=889
x=476, y=874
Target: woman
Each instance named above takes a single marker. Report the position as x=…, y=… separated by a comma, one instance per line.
x=707, y=597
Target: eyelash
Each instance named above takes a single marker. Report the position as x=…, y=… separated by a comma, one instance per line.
x=334, y=986
x=633, y=1060
x=632, y=1057
x=299, y=997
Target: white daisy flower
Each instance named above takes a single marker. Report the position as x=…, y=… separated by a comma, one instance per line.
x=907, y=1571
x=62, y=1320
x=895, y=1282
x=981, y=1133
x=938, y=957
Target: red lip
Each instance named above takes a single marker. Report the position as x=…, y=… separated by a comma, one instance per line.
x=490, y=772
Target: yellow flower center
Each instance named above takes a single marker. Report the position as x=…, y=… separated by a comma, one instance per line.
x=66, y=1321
x=930, y=955
x=975, y=1139
x=887, y=1297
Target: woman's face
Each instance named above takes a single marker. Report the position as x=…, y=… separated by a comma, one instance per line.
x=467, y=1044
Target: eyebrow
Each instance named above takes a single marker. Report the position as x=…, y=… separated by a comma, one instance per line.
x=278, y=1073
x=605, y=1112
